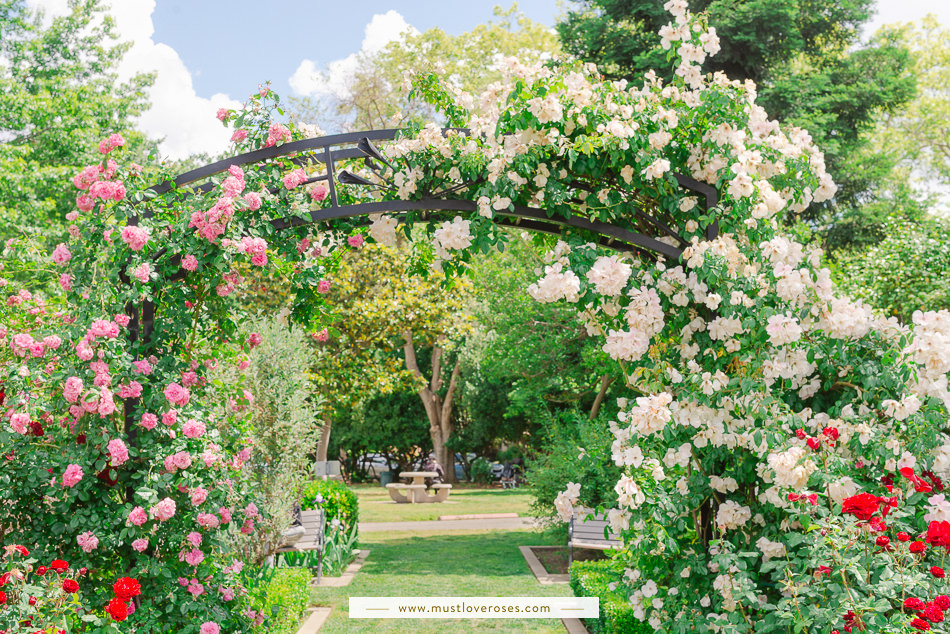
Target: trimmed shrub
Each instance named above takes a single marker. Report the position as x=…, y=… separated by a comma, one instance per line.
x=339, y=501
x=481, y=471
x=288, y=595
x=592, y=579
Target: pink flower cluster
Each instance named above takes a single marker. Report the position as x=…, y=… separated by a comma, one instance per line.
x=88, y=542
x=256, y=248
x=180, y=460
x=137, y=516
x=61, y=254
x=276, y=133
x=177, y=395
x=111, y=142
x=72, y=476
x=193, y=429
x=135, y=237
x=118, y=452
x=294, y=178
x=163, y=510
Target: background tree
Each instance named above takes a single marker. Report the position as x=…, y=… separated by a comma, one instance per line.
x=377, y=95
x=60, y=97
x=811, y=69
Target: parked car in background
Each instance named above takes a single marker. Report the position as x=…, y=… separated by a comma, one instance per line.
x=372, y=464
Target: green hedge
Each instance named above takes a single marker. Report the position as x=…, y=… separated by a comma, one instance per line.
x=339, y=501
x=590, y=579
x=288, y=595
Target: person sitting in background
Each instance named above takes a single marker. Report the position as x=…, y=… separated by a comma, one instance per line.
x=433, y=465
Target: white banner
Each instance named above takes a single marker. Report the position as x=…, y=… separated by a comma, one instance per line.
x=473, y=607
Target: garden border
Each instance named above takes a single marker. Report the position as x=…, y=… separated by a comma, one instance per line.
x=346, y=577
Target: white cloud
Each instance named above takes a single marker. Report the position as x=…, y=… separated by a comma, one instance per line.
x=184, y=121
x=382, y=29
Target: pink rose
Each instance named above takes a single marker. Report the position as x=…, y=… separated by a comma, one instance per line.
x=323, y=335
x=225, y=514
x=139, y=545
x=106, y=403
x=193, y=429
x=194, y=539
x=251, y=511
x=207, y=520
x=294, y=178
x=195, y=588
x=255, y=339
x=61, y=254
x=252, y=200
x=170, y=417
x=227, y=594
x=182, y=459
x=223, y=114
x=149, y=421
x=134, y=237
x=72, y=476
x=137, y=516
x=199, y=495
x=142, y=272
x=164, y=510
x=52, y=342
x=323, y=286
x=88, y=542
x=238, y=136
x=72, y=389
x=248, y=527
x=355, y=241
x=189, y=263
x=122, y=320
x=319, y=193
x=132, y=390
x=276, y=133
x=66, y=282
x=210, y=627
x=176, y=394
x=118, y=452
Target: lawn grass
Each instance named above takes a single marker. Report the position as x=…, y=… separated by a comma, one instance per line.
x=377, y=506
x=463, y=563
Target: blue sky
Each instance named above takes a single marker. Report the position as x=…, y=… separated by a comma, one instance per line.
x=209, y=54
x=272, y=47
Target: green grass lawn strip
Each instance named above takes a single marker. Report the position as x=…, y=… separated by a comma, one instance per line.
x=462, y=563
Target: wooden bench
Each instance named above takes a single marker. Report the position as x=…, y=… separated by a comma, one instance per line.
x=313, y=523
x=590, y=531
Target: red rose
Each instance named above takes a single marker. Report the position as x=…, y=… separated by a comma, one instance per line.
x=3, y=597
x=918, y=547
x=126, y=588
x=59, y=565
x=937, y=572
x=882, y=541
x=914, y=604
x=801, y=434
x=934, y=480
x=4, y=579
x=41, y=570
x=21, y=549
x=902, y=536
x=32, y=601
x=117, y=609
x=862, y=506
x=938, y=534
x=830, y=432
x=920, y=624
x=813, y=443
x=942, y=601
x=69, y=585
x=932, y=613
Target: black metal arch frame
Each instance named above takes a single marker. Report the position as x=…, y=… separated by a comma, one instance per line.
x=331, y=150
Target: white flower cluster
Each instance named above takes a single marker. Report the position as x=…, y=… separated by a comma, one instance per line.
x=770, y=549
x=609, y=275
x=650, y=415
x=555, y=285
x=383, y=229
x=732, y=515
x=566, y=499
x=792, y=467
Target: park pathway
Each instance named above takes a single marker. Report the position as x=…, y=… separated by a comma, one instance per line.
x=435, y=526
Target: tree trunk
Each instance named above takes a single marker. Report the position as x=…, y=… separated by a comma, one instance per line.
x=438, y=410
x=324, y=445
x=605, y=382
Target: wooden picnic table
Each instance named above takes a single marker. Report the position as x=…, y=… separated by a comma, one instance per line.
x=416, y=492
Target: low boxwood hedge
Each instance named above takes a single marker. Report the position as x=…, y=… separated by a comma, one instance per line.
x=339, y=501
x=287, y=596
x=591, y=579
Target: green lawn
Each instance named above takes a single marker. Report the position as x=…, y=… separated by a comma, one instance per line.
x=463, y=563
x=377, y=506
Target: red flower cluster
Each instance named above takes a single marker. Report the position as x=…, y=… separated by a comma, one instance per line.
x=125, y=589
x=938, y=534
x=929, y=612
x=919, y=485
x=864, y=506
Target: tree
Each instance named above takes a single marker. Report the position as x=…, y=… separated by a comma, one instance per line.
x=375, y=309
x=60, y=97
x=377, y=94
x=904, y=272
x=805, y=57
x=917, y=135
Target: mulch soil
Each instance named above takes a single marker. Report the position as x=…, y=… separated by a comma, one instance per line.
x=554, y=560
